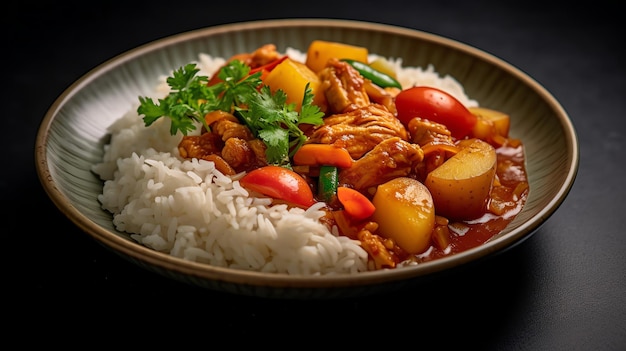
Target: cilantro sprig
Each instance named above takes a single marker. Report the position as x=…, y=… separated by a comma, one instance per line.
x=190, y=98
x=267, y=114
x=276, y=122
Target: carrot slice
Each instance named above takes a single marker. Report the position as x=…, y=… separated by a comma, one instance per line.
x=355, y=203
x=322, y=154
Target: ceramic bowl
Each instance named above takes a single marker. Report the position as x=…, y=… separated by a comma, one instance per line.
x=73, y=132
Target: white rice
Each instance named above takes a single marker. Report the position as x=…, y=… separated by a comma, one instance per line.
x=190, y=210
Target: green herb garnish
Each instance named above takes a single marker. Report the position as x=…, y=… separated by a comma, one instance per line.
x=268, y=115
x=277, y=123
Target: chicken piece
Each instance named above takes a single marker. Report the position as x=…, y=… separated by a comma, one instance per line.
x=259, y=57
x=424, y=132
x=264, y=55
x=385, y=97
x=390, y=159
x=220, y=164
x=343, y=86
x=378, y=252
x=237, y=153
x=360, y=130
x=244, y=155
x=436, y=142
x=259, y=148
x=227, y=129
x=198, y=146
x=207, y=147
x=229, y=144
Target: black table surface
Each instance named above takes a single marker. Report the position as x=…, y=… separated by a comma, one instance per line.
x=562, y=289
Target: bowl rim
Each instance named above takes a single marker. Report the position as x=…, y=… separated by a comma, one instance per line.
x=163, y=261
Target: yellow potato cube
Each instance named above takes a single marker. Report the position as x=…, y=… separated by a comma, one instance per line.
x=405, y=213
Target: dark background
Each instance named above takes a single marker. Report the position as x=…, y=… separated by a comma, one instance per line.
x=562, y=289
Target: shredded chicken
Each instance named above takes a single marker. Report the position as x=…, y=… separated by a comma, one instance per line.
x=381, y=256
x=343, y=86
x=436, y=141
x=391, y=158
x=359, y=130
x=425, y=132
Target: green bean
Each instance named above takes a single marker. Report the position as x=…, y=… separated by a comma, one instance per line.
x=327, y=183
x=377, y=77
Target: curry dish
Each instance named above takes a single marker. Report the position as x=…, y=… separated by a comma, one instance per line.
x=412, y=183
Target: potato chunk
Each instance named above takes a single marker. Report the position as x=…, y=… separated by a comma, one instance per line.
x=405, y=213
x=461, y=186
